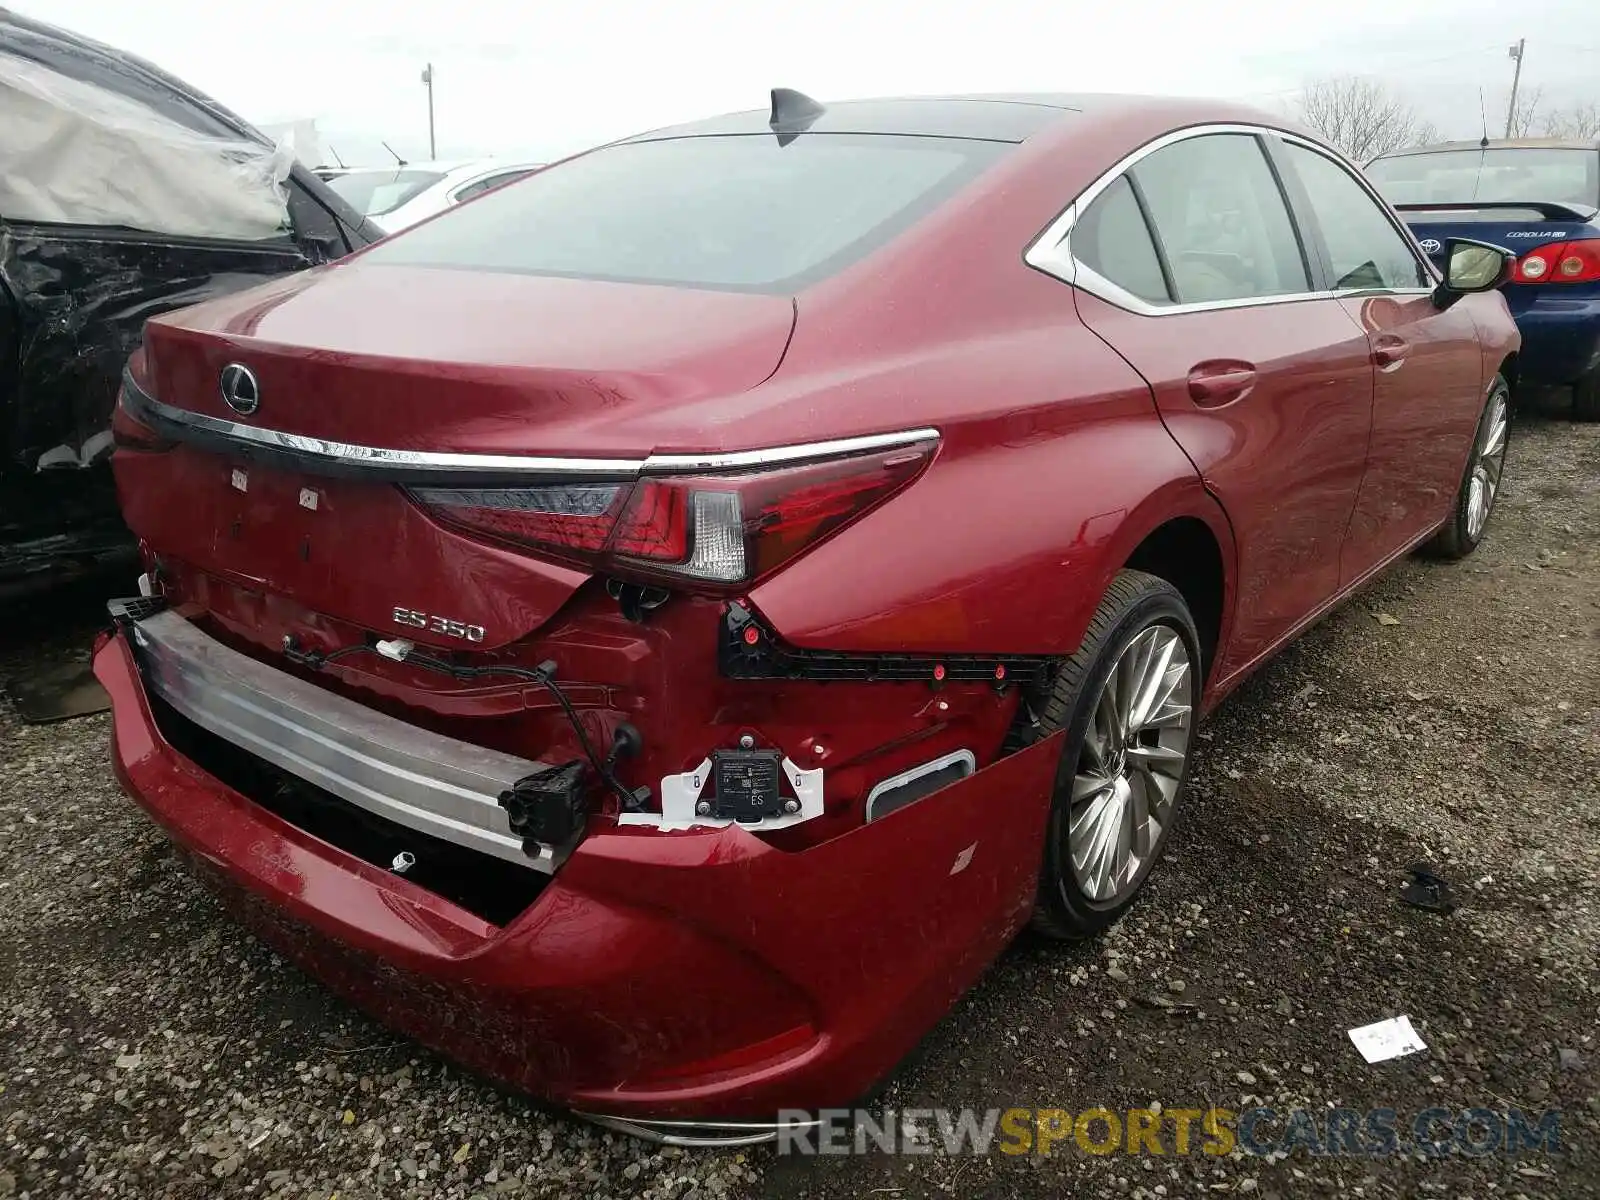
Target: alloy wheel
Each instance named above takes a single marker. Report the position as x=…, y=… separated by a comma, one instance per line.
x=1489, y=461
x=1132, y=762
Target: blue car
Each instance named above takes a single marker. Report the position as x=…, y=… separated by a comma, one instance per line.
x=1539, y=198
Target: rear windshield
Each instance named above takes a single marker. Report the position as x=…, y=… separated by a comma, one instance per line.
x=373, y=193
x=1507, y=173
x=739, y=213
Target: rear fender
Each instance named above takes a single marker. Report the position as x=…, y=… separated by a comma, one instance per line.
x=1005, y=549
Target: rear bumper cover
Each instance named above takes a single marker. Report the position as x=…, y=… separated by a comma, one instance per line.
x=696, y=975
x=1560, y=331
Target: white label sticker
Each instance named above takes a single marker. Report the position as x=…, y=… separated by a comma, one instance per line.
x=241, y=481
x=308, y=499
x=1387, y=1039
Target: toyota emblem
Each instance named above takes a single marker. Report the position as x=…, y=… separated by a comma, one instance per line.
x=240, y=389
x=1431, y=246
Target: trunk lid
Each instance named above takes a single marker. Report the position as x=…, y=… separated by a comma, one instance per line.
x=421, y=360
x=1518, y=226
x=433, y=359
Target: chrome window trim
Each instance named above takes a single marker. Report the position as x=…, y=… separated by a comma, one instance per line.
x=1395, y=223
x=1051, y=251
x=319, y=455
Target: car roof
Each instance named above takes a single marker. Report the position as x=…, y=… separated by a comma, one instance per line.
x=1530, y=143
x=446, y=167
x=993, y=118
x=88, y=61
x=95, y=63
x=988, y=116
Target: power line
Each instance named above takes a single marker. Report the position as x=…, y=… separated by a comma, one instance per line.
x=1388, y=70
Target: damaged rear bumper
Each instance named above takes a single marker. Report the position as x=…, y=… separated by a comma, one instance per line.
x=438, y=786
x=660, y=977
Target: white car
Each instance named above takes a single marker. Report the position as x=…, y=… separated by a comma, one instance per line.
x=394, y=197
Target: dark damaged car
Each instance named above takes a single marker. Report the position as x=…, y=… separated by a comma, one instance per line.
x=125, y=194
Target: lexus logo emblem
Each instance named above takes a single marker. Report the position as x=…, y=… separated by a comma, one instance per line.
x=1431, y=245
x=240, y=389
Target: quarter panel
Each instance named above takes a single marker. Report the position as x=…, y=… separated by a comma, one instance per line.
x=1006, y=544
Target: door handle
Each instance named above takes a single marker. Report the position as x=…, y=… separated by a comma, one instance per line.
x=1212, y=384
x=1389, y=351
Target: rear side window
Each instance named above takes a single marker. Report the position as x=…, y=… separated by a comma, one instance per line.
x=740, y=213
x=1221, y=220
x=1113, y=241
x=374, y=193
x=480, y=186
x=1364, y=248
x=1500, y=173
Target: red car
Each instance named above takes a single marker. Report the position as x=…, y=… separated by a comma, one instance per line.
x=655, y=632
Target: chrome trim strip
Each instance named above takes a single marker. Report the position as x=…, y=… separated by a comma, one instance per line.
x=698, y=1133
x=1051, y=251
x=345, y=457
x=928, y=768
x=329, y=457
x=741, y=460
x=436, y=785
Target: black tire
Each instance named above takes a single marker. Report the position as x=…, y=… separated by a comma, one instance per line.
x=1586, y=397
x=1456, y=538
x=1132, y=604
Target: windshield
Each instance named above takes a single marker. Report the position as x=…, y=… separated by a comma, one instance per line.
x=740, y=213
x=1507, y=173
x=373, y=193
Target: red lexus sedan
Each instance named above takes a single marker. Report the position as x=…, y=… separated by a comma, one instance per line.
x=655, y=632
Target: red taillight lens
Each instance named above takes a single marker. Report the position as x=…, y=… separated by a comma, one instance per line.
x=719, y=530
x=655, y=524
x=577, y=519
x=127, y=431
x=1561, y=262
x=130, y=434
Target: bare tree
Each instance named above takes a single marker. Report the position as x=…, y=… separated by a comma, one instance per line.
x=1580, y=123
x=1361, y=117
x=1525, y=117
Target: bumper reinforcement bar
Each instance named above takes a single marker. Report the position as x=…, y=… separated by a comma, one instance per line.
x=422, y=780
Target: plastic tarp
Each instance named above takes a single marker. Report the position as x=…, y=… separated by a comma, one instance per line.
x=75, y=153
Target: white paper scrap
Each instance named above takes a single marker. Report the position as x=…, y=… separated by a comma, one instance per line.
x=1387, y=1039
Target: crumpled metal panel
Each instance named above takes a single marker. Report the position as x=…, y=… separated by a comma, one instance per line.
x=73, y=302
x=78, y=303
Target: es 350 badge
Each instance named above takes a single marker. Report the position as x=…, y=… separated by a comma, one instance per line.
x=413, y=619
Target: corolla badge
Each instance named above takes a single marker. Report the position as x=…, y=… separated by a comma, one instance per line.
x=240, y=389
x=1431, y=245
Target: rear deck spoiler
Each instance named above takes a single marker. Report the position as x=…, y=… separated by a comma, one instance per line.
x=1547, y=209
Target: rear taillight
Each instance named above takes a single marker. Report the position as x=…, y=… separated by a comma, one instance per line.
x=127, y=431
x=1561, y=262
x=718, y=530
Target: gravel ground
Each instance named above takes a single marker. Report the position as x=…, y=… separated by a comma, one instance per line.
x=150, y=1048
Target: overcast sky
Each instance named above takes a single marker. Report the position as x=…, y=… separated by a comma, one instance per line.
x=536, y=80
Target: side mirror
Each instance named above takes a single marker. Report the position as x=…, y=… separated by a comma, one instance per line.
x=1471, y=267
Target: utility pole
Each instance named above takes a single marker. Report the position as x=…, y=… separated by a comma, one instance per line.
x=433, y=152
x=1511, y=109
